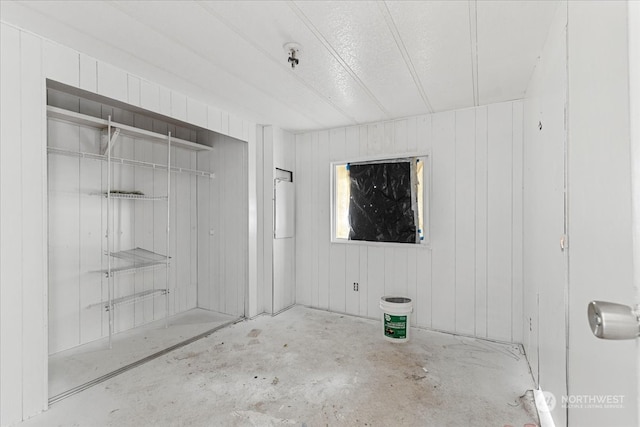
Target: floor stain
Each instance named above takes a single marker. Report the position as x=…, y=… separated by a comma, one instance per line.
x=254, y=333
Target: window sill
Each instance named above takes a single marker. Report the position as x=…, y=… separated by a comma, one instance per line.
x=421, y=246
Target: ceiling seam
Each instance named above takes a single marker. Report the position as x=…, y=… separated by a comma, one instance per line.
x=305, y=19
x=393, y=28
x=188, y=48
x=274, y=60
x=473, y=40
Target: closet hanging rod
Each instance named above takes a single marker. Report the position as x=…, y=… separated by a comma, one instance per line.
x=95, y=122
x=128, y=162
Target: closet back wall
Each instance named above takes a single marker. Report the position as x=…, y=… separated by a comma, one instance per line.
x=470, y=279
x=77, y=243
x=223, y=215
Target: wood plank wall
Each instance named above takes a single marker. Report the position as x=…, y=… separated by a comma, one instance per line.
x=222, y=210
x=283, y=288
x=26, y=60
x=470, y=279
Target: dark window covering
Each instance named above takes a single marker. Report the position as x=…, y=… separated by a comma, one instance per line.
x=381, y=209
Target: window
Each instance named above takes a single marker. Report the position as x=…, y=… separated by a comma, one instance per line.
x=380, y=200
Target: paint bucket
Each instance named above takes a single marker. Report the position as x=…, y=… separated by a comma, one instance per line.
x=395, y=318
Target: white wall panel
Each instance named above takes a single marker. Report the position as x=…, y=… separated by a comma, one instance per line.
x=133, y=90
x=224, y=122
x=61, y=63
x=424, y=292
x=236, y=127
x=90, y=250
x=11, y=271
x=443, y=221
x=304, y=238
x=500, y=220
x=184, y=207
x=375, y=279
x=337, y=276
x=364, y=140
x=159, y=156
x=517, y=233
x=412, y=280
x=400, y=136
x=192, y=293
x=178, y=106
x=214, y=119
x=33, y=164
x=544, y=337
x=112, y=82
x=481, y=218
x=447, y=281
x=64, y=240
x=196, y=113
x=88, y=73
x=165, y=101
x=364, y=282
x=222, y=228
x=284, y=286
x=352, y=275
x=321, y=170
x=465, y=243
x=149, y=96
x=144, y=228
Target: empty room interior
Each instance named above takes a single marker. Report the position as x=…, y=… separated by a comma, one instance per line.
x=317, y=213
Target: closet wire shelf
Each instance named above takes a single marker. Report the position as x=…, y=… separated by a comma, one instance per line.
x=130, y=299
x=128, y=162
x=133, y=196
x=137, y=259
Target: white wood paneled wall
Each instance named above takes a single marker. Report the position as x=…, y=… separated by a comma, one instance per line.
x=470, y=279
x=77, y=224
x=284, y=288
x=545, y=264
x=277, y=266
x=222, y=227
x=26, y=60
x=23, y=241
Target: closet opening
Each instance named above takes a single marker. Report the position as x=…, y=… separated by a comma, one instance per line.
x=145, y=219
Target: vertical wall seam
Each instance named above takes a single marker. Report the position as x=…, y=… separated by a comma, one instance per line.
x=486, y=207
x=20, y=85
x=512, y=228
x=45, y=247
x=455, y=221
x=430, y=238
x=475, y=223
x=79, y=176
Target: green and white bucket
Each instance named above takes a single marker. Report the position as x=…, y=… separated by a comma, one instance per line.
x=396, y=315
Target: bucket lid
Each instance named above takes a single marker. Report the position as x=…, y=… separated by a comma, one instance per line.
x=396, y=300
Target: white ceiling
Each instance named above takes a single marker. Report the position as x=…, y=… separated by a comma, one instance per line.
x=361, y=61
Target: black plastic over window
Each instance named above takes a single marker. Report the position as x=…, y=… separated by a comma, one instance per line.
x=380, y=209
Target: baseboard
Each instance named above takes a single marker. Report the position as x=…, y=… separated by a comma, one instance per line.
x=544, y=413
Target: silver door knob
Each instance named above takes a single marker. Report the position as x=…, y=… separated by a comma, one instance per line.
x=613, y=321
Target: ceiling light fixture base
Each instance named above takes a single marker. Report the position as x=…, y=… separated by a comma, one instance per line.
x=293, y=50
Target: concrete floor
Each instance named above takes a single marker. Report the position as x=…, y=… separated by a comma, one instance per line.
x=79, y=365
x=308, y=367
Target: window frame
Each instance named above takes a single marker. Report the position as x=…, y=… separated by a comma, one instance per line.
x=426, y=191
